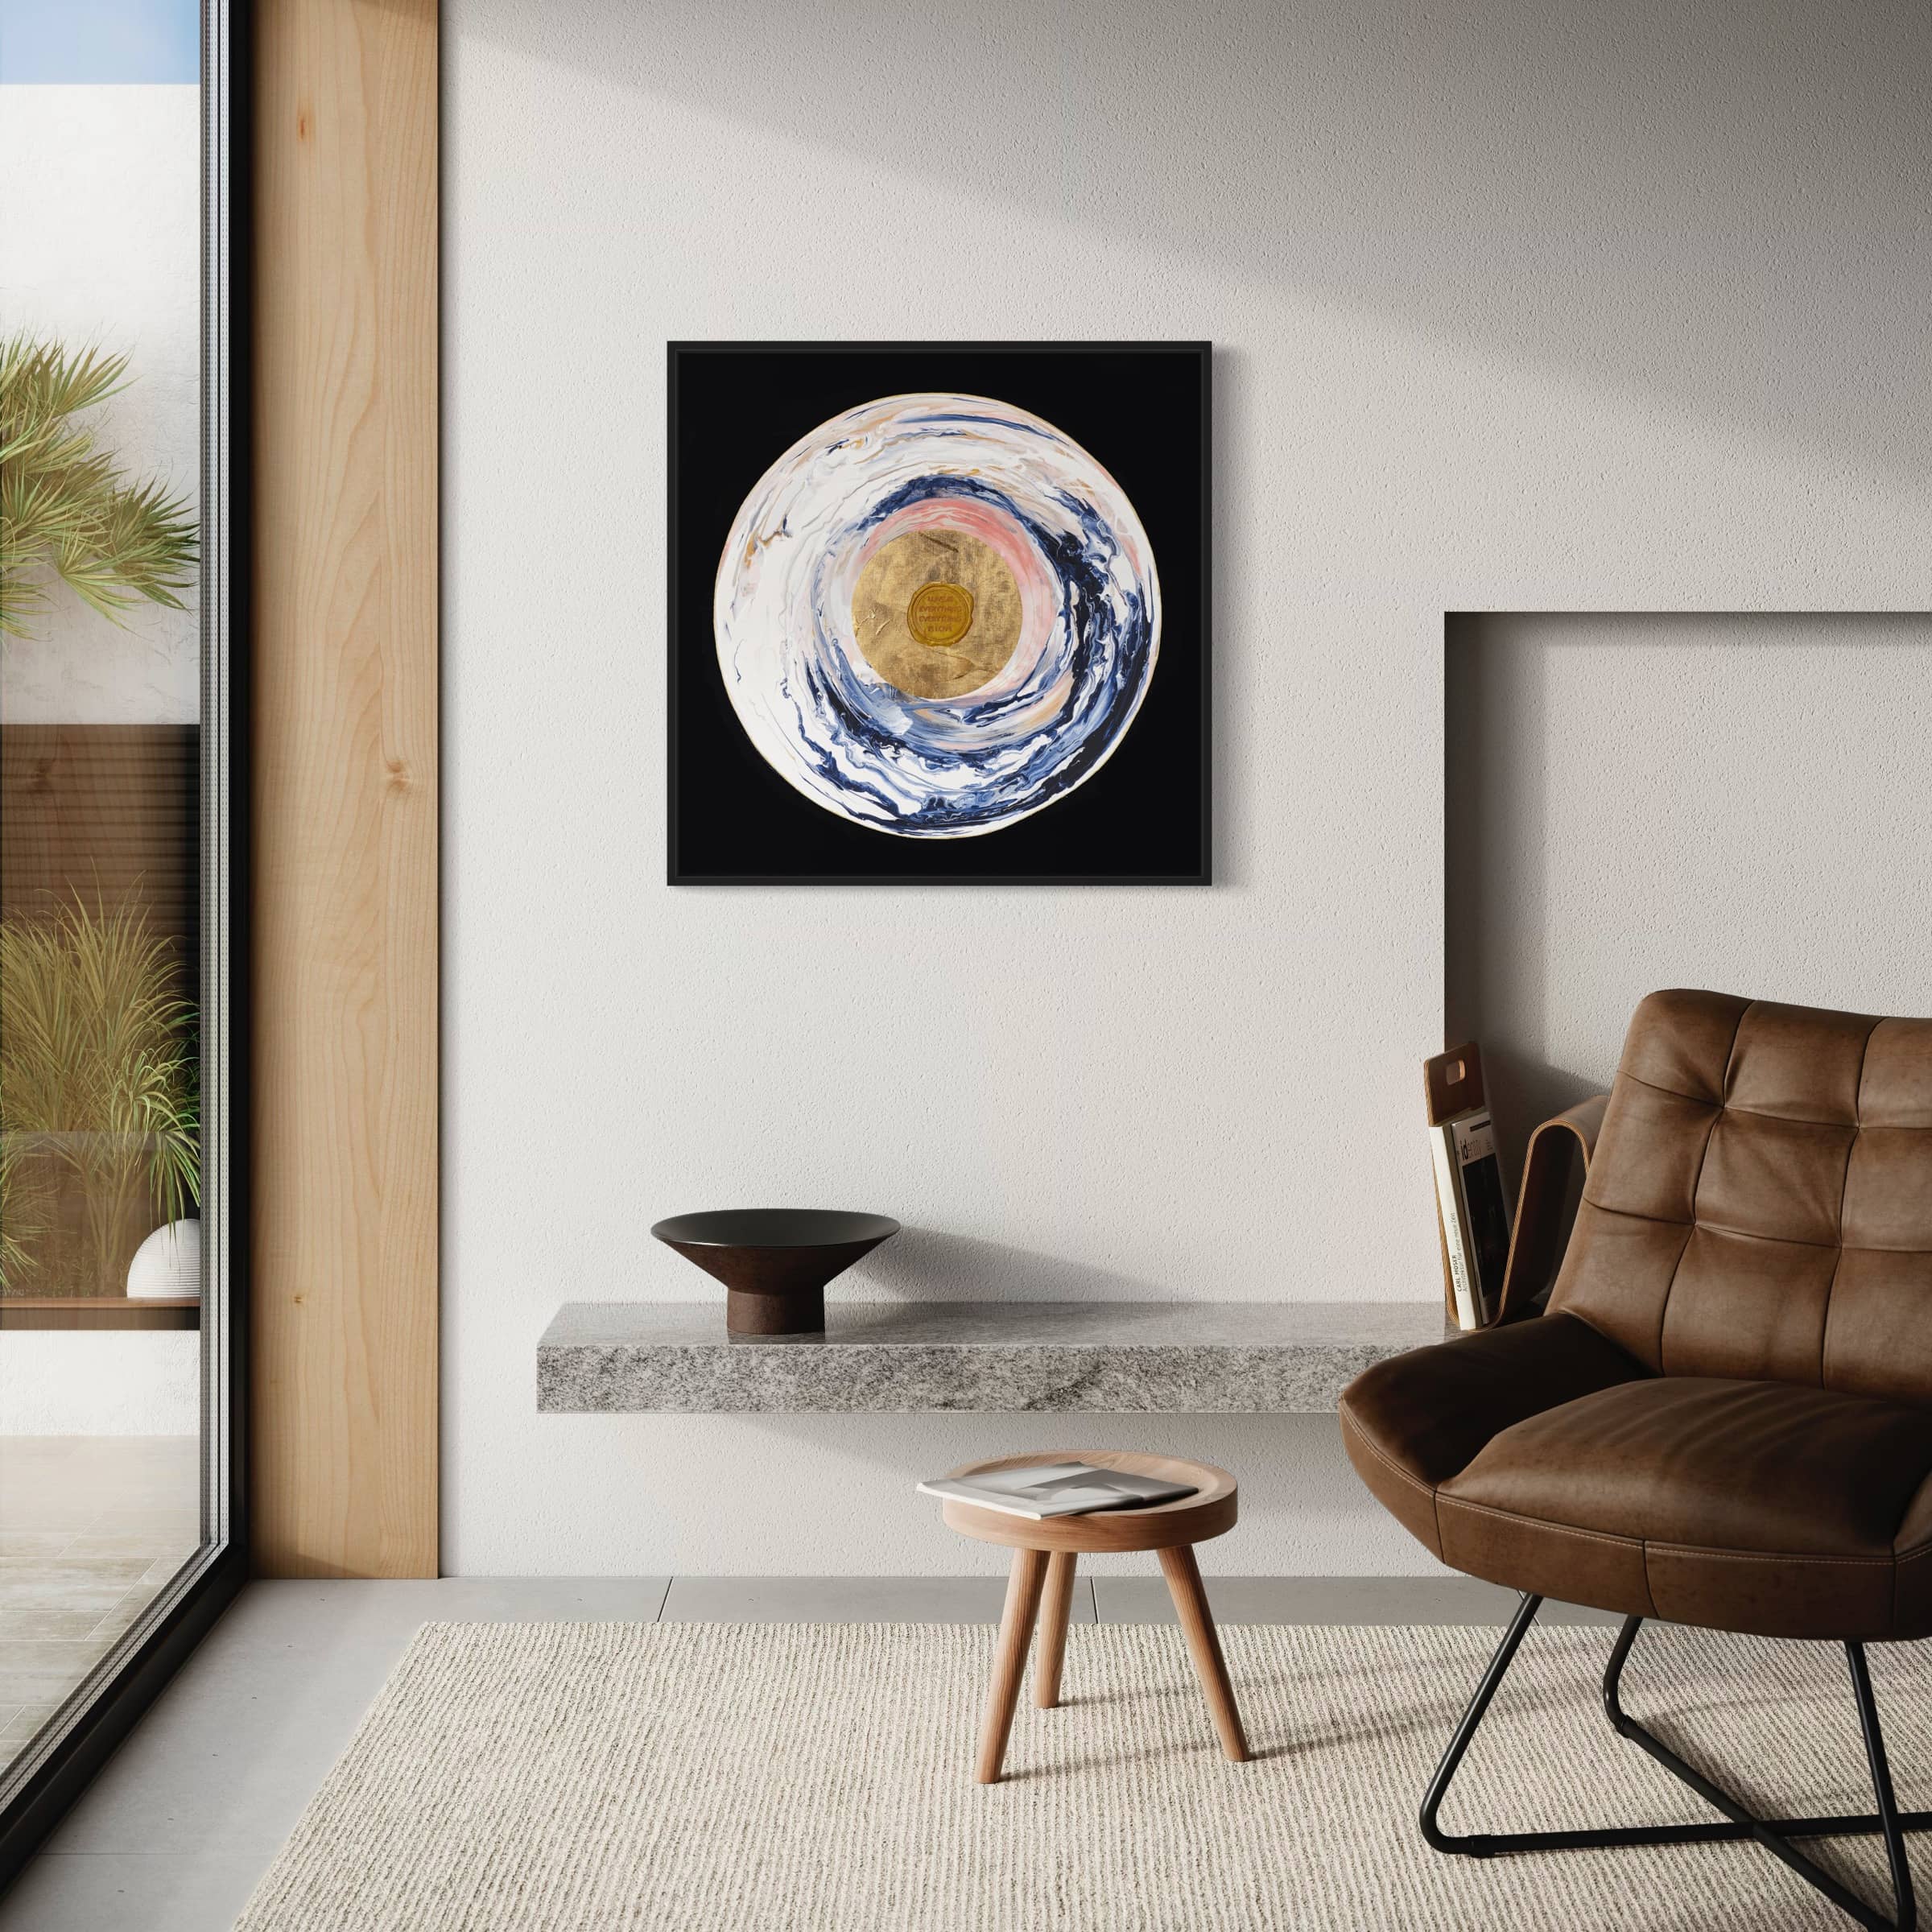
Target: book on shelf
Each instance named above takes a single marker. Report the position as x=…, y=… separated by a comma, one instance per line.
x=1040, y=1490
x=1472, y=1206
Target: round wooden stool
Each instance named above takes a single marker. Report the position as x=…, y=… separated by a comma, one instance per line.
x=1044, y=1555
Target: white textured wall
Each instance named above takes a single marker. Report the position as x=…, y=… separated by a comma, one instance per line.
x=1517, y=308
x=1740, y=802
x=125, y=1381
x=101, y=243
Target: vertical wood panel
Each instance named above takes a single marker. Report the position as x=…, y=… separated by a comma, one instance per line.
x=344, y=1391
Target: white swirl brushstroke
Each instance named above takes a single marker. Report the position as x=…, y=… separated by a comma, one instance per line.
x=830, y=725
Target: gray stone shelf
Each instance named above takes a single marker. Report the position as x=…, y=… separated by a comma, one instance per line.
x=1120, y=1358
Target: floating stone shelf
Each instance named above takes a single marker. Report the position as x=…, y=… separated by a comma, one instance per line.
x=1120, y=1358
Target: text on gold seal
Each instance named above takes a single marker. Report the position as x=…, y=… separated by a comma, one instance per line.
x=939, y=614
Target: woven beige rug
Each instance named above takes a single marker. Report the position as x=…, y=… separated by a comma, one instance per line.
x=584, y=1776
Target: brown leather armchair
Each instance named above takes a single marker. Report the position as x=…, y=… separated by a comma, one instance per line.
x=1723, y=1417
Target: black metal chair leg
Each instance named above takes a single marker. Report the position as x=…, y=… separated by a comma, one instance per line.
x=1474, y=1844
x=1906, y=1913
x=1774, y=1834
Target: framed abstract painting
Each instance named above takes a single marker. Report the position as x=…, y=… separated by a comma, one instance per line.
x=938, y=613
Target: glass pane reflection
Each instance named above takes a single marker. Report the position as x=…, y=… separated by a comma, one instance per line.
x=101, y=428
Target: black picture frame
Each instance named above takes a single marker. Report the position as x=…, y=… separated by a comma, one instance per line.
x=1143, y=410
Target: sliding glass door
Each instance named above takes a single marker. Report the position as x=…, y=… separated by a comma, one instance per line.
x=119, y=1531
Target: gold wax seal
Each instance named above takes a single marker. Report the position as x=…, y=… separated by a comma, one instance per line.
x=936, y=612
x=940, y=614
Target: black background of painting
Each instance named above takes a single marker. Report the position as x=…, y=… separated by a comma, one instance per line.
x=1142, y=410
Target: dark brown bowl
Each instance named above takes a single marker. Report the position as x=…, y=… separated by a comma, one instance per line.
x=774, y=1262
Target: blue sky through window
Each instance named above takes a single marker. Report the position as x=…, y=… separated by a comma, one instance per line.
x=79, y=41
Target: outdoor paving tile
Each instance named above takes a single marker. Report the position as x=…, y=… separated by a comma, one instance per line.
x=52, y=1621
x=35, y=1542
x=33, y=1670
x=21, y=1728
x=123, y=1614
x=147, y=1543
x=40, y=1610
x=21, y=1688
x=28, y=1591
x=90, y=1528
x=57, y=1572
x=118, y=1522
x=39, y=1517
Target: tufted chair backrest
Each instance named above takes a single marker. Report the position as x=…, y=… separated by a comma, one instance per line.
x=1760, y=1203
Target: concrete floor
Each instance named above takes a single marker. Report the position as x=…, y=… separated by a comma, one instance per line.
x=178, y=1827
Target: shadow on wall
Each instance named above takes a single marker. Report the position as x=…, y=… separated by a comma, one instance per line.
x=933, y=1265
x=1719, y=205
x=1499, y=735
x=904, y=1448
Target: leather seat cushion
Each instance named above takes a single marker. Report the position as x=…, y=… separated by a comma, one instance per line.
x=1768, y=1467
x=1412, y=1420
x=1434, y=1408
x=1542, y=1457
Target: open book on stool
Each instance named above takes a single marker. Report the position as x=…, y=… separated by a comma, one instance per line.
x=1042, y=1490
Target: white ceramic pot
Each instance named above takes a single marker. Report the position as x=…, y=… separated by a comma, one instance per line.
x=167, y=1262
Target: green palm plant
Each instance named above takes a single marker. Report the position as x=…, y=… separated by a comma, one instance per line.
x=98, y=1071
x=23, y=1202
x=66, y=512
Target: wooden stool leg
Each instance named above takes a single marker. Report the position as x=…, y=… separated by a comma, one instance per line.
x=1056, y=1606
x=1197, y=1621
x=1016, y=1632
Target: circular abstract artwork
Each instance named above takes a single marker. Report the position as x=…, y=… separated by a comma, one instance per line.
x=936, y=615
